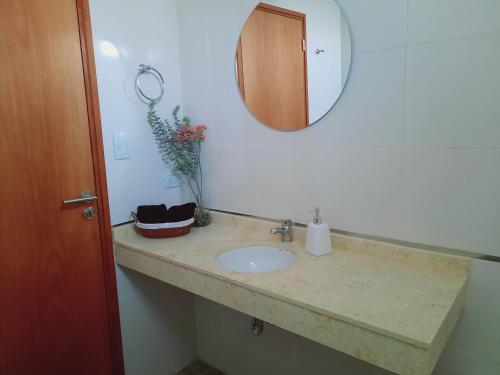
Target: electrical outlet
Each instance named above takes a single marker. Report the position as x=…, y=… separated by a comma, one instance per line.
x=170, y=181
x=121, y=146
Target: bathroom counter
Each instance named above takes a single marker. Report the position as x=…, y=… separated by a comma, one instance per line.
x=386, y=304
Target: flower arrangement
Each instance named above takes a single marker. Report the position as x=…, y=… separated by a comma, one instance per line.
x=179, y=144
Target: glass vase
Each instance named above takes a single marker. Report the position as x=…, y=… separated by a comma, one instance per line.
x=202, y=217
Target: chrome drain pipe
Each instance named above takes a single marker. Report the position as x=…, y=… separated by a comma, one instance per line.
x=256, y=327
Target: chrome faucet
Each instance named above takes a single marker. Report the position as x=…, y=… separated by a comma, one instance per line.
x=285, y=229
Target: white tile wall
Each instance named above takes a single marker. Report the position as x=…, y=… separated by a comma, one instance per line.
x=137, y=32
x=475, y=343
x=452, y=197
x=158, y=335
x=157, y=320
x=240, y=168
x=362, y=184
x=431, y=20
x=452, y=93
x=376, y=24
x=401, y=97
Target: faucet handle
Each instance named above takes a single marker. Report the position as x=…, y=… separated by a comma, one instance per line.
x=286, y=230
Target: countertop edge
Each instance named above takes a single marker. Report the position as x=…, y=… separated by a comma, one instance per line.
x=378, y=349
x=406, y=340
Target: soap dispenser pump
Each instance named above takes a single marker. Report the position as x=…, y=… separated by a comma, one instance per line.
x=318, y=239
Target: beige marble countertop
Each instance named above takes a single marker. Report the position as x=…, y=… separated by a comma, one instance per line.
x=389, y=305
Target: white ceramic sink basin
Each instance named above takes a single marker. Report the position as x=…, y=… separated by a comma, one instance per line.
x=255, y=259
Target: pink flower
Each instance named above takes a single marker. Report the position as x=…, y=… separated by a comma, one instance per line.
x=186, y=133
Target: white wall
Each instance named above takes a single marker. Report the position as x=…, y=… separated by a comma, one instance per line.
x=323, y=22
x=157, y=320
x=142, y=32
x=474, y=346
x=411, y=151
x=157, y=325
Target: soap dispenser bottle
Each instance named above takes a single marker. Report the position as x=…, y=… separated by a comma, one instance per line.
x=318, y=239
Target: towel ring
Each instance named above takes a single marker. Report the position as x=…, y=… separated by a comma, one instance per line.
x=147, y=69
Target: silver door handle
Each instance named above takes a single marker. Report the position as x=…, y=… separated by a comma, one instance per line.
x=86, y=197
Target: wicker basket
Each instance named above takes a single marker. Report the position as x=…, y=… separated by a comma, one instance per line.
x=166, y=230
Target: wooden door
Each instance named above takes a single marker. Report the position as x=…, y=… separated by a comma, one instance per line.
x=272, y=67
x=58, y=308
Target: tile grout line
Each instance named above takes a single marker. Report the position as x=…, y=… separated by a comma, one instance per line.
x=405, y=90
x=411, y=45
x=471, y=36
x=360, y=147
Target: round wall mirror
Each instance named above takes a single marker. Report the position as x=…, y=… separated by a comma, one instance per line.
x=292, y=61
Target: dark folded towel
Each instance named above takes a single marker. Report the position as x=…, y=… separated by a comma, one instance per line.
x=159, y=214
x=152, y=214
x=181, y=213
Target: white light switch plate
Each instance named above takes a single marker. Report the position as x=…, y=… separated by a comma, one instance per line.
x=121, y=146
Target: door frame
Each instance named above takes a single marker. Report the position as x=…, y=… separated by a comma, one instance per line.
x=96, y=141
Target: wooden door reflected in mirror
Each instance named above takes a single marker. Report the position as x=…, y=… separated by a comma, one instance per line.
x=292, y=61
